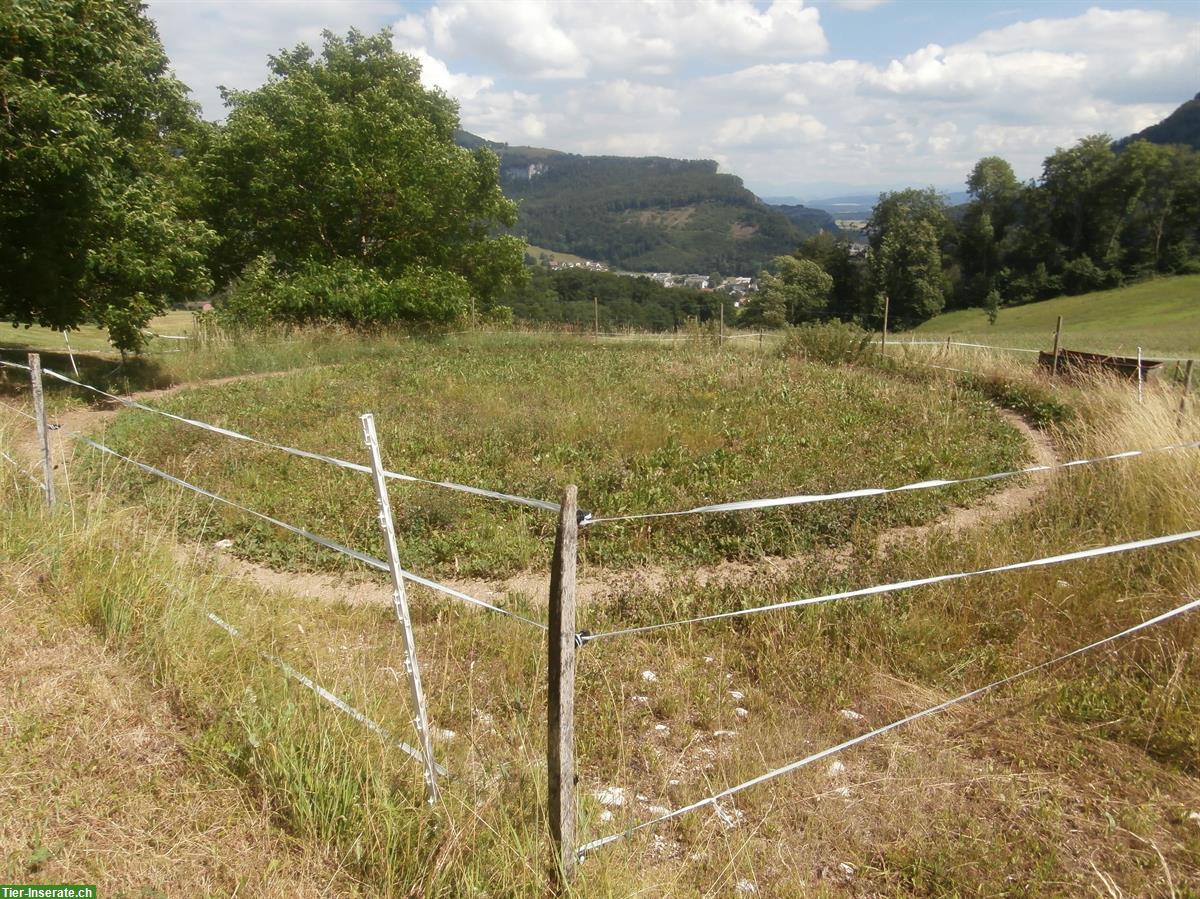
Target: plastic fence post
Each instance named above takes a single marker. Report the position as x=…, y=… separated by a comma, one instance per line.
x=400, y=602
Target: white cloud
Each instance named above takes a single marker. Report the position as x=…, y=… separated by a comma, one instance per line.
x=227, y=42
x=545, y=39
x=746, y=82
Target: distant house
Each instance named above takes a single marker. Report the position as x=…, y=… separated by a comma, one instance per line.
x=698, y=282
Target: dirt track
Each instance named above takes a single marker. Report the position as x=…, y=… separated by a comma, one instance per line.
x=594, y=584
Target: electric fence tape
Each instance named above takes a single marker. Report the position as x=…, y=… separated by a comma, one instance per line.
x=772, y=502
x=305, y=454
x=333, y=700
x=818, y=756
x=905, y=585
x=307, y=535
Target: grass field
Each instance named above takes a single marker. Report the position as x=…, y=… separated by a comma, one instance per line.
x=638, y=428
x=90, y=339
x=1080, y=780
x=1162, y=316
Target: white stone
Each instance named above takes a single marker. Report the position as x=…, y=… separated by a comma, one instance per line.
x=724, y=733
x=741, y=712
x=1194, y=817
x=837, y=769
x=650, y=677
x=610, y=796
x=223, y=544
x=662, y=729
x=640, y=700
x=851, y=715
x=746, y=887
x=846, y=870
x=606, y=816
x=737, y=695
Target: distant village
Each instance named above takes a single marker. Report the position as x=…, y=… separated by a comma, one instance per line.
x=737, y=286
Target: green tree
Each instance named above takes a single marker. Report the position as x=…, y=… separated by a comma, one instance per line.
x=345, y=156
x=907, y=229
x=91, y=224
x=798, y=291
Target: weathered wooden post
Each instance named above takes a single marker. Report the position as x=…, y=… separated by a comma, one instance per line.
x=887, y=302
x=400, y=603
x=1187, y=386
x=1057, y=336
x=1140, y=377
x=721, y=336
x=43, y=428
x=560, y=717
x=596, y=315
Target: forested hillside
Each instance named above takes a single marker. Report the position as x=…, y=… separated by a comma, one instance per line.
x=645, y=213
x=1180, y=127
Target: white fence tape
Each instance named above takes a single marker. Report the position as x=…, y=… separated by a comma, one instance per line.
x=6, y=364
x=17, y=411
x=366, y=559
x=907, y=585
x=333, y=700
x=772, y=502
x=305, y=454
x=825, y=753
x=21, y=468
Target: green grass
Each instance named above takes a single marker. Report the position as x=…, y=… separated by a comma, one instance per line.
x=1162, y=316
x=637, y=427
x=1084, y=772
x=89, y=339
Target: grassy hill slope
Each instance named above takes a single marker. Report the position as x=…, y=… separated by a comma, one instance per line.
x=1162, y=316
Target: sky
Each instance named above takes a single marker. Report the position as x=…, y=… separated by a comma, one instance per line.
x=803, y=99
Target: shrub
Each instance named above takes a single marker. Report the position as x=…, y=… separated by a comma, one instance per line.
x=834, y=342
x=342, y=293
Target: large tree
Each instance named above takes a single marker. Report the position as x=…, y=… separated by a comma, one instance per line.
x=345, y=157
x=91, y=131
x=907, y=229
x=797, y=292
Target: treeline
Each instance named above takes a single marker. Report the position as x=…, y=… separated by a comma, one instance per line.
x=1098, y=217
x=333, y=192
x=572, y=297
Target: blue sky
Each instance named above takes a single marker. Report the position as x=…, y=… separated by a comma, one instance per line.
x=804, y=99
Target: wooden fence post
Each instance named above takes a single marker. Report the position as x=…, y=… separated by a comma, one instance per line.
x=596, y=315
x=887, y=303
x=1140, y=376
x=1057, y=336
x=400, y=603
x=43, y=428
x=560, y=717
x=1187, y=386
x=721, y=336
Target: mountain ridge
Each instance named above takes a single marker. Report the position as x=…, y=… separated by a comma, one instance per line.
x=646, y=213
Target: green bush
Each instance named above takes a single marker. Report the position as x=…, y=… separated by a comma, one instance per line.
x=342, y=293
x=834, y=342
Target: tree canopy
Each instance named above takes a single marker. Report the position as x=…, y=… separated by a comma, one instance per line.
x=91, y=221
x=344, y=156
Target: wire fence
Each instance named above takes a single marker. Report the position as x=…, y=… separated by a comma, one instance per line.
x=561, y=630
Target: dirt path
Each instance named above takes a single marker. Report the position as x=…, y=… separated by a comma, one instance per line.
x=99, y=784
x=597, y=584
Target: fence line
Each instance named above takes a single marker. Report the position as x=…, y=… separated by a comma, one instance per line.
x=21, y=468
x=305, y=454
x=940, y=707
x=366, y=559
x=339, y=704
x=906, y=585
x=773, y=502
